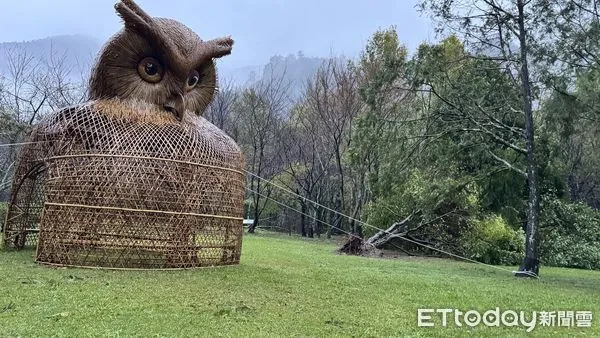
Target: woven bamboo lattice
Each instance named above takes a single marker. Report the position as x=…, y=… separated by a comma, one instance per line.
x=122, y=185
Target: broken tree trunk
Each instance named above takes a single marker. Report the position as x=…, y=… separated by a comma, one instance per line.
x=355, y=245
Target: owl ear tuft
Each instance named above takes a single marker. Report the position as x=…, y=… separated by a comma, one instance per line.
x=217, y=48
x=133, y=16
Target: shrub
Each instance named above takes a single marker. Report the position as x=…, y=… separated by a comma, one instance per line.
x=570, y=234
x=491, y=240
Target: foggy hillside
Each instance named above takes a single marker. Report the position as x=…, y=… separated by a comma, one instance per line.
x=78, y=53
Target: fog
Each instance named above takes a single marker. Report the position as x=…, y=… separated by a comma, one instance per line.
x=260, y=28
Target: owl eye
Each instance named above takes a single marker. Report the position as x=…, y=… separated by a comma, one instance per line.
x=193, y=80
x=150, y=70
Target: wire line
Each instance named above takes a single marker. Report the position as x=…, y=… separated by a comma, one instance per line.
x=376, y=228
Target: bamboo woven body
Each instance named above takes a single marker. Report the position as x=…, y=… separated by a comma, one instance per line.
x=122, y=185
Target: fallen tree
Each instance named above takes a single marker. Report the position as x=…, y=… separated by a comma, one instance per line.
x=406, y=229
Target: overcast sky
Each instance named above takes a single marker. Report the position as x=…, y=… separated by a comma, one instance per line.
x=260, y=28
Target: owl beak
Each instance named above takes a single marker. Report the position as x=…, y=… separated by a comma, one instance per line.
x=176, y=105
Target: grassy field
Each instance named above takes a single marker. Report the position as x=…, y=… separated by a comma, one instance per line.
x=283, y=287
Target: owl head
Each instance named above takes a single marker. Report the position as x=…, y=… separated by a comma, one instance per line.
x=157, y=61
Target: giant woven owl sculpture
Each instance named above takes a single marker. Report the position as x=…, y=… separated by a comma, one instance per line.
x=135, y=177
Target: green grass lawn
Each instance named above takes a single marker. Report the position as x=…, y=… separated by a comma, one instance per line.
x=283, y=287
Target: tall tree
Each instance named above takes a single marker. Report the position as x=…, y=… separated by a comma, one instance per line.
x=381, y=88
x=569, y=57
x=332, y=103
x=258, y=113
x=303, y=162
x=502, y=30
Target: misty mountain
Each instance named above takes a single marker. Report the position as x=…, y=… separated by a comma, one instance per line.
x=78, y=52
x=294, y=69
x=240, y=76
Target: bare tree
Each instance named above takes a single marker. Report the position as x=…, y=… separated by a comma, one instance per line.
x=65, y=85
x=258, y=112
x=219, y=112
x=332, y=100
x=305, y=162
x=30, y=89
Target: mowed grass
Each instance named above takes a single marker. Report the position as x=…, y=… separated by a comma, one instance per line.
x=283, y=287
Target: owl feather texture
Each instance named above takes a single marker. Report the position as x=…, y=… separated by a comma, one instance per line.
x=158, y=62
